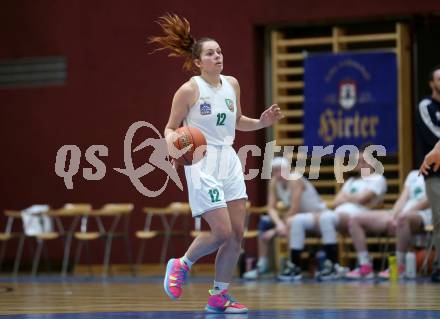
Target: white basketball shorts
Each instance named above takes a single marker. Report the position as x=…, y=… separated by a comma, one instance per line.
x=215, y=180
x=350, y=209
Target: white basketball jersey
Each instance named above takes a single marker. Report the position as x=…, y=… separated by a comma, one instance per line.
x=416, y=186
x=374, y=182
x=310, y=199
x=215, y=112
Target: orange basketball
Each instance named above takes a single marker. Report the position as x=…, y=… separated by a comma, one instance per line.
x=420, y=258
x=190, y=136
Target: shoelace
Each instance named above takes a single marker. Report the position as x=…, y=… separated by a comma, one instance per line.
x=230, y=298
x=181, y=274
x=226, y=296
x=288, y=270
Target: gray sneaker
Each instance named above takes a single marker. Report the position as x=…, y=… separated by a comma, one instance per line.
x=330, y=271
x=291, y=272
x=255, y=273
x=251, y=274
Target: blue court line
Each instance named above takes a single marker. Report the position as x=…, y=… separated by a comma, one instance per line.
x=192, y=279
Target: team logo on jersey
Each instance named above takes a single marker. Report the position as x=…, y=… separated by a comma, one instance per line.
x=205, y=108
x=418, y=191
x=230, y=104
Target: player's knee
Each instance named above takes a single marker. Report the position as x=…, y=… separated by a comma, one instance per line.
x=238, y=234
x=326, y=219
x=353, y=223
x=267, y=236
x=297, y=222
x=222, y=234
x=402, y=220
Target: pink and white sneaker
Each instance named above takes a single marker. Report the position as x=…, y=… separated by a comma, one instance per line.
x=175, y=278
x=386, y=273
x=363, y=272
x=221, y=302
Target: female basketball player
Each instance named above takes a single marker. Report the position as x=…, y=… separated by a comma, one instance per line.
x=410, y=214
x=216, y=189
x=358, y=194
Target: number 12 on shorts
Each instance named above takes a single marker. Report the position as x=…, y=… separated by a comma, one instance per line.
x=214, y=193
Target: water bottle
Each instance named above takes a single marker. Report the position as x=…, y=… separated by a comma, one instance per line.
x=392, y=264
x=410, y=261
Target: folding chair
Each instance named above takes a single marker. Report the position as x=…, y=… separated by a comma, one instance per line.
x=73, y=212
x=38, y=225
x=116, y=212
x=9, y=234
x=168, y=216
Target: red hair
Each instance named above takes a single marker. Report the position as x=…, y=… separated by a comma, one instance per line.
x=178, y=39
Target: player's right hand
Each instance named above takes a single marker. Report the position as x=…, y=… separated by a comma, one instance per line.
x=281, y=230
x=170, y=138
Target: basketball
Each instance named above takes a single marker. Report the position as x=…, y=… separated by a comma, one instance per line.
x=190, y=136
x=420, y=258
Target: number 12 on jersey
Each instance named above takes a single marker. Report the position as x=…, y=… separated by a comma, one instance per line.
x=221, y=117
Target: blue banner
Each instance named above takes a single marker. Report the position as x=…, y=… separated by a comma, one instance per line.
x=351, y=99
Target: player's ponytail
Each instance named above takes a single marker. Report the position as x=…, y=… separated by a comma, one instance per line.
x=178, y=39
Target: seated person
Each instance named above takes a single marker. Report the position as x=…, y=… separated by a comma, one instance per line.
x=358, y=194
x=409, y=215
x=299, y=197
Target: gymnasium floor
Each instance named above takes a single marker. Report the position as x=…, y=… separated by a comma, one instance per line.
x=128, y=297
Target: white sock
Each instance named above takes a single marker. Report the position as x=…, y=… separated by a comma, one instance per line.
x=363, y=258
x=186, y=260
x=220, y=285
x=400, y=256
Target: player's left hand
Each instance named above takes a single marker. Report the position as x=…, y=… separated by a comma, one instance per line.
x=431, y=158
x=392, y=226
x=271, y=115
